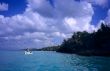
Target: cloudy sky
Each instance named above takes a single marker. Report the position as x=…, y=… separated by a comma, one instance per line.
x=41, y=23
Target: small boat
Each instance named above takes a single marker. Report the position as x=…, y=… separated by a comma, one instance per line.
x=27, y=52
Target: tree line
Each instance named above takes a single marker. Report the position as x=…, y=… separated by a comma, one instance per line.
x=84, y=43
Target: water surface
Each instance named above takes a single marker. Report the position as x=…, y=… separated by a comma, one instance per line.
x=51, y=61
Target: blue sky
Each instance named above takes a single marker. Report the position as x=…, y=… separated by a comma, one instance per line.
x=41, y=23
x=15, y=7
x=100, y=14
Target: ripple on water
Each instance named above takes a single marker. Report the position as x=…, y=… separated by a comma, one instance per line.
x=51, y=61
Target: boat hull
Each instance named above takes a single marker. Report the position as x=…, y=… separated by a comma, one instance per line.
x=28, y=52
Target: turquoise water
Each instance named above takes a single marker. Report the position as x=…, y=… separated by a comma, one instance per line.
x=51, y=61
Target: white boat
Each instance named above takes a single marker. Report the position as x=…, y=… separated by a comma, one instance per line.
x=27, y=52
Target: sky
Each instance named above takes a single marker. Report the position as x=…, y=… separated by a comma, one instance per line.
x=42, y=23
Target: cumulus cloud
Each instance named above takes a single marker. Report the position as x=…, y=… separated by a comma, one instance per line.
x=43, y=24
x=3, y=7
x=107, y=19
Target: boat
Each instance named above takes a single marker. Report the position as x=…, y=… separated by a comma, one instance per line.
x=27, y=52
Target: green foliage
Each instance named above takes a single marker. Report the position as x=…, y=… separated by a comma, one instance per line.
x=84, y=42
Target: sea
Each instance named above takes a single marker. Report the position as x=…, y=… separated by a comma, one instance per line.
x=51, y=61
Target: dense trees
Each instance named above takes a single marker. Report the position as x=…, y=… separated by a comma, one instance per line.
x=96, y=43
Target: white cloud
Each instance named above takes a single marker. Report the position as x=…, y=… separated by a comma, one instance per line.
x=3, y=7
x=41, y=23
x=42, y=7
x=107, y=19
x=79, y=24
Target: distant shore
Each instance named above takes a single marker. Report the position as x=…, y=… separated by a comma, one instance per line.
x=52, y=48
x=82, y=53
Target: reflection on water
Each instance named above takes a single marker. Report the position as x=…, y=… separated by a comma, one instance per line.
x=51, y=61
x=84, y=63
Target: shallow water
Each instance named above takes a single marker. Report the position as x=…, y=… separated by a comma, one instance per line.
x=51, y=61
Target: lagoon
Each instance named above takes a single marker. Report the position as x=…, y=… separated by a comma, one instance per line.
x=51, y=61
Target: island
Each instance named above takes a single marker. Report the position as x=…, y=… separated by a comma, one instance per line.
x=96, y=43
x=84, y=43
x=50, y=48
